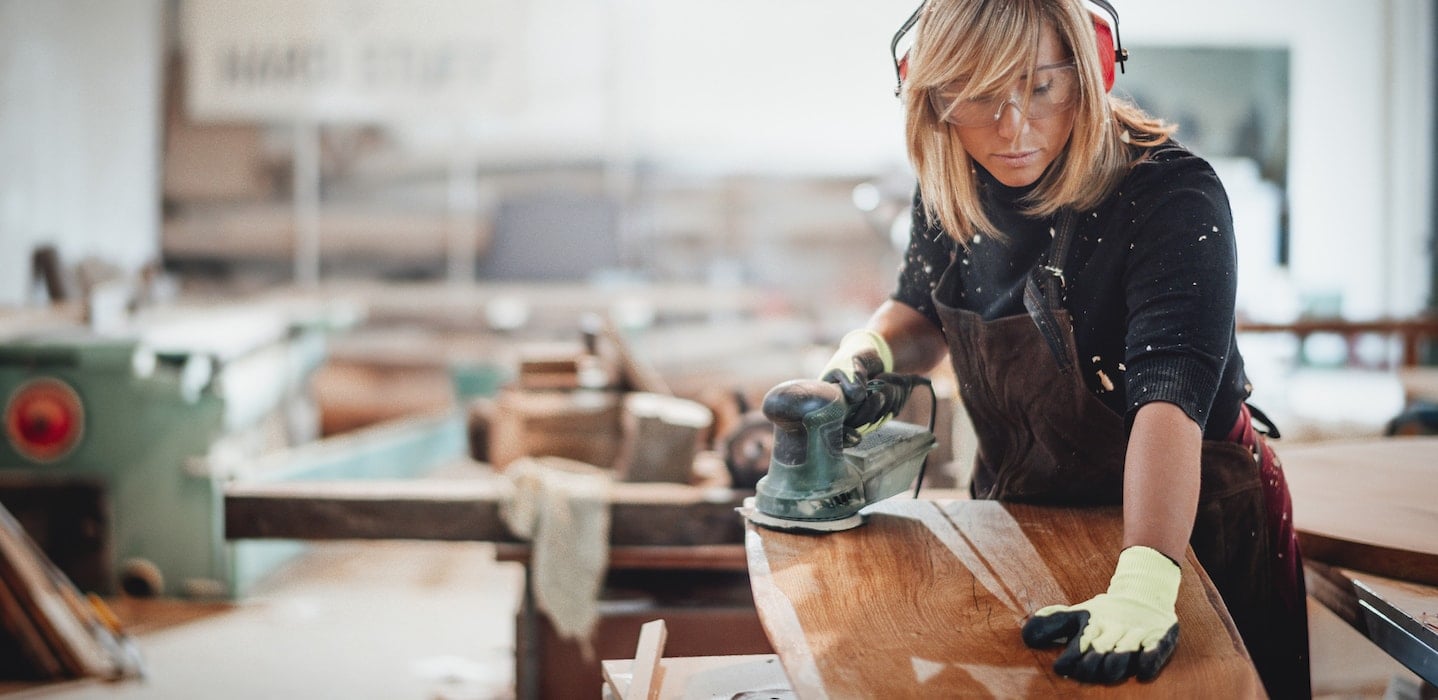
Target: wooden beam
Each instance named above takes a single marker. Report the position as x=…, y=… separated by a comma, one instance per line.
x=464, y=509
x=703, y=557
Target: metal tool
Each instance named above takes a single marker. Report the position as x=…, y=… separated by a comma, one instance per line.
x=817, y=484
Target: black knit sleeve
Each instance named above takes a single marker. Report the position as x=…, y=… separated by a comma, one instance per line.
x=1180, y=284
x=929, y=252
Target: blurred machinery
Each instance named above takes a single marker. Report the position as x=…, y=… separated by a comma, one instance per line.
x=117, y=444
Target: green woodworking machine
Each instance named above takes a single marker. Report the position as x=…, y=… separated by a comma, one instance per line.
x=158, y=416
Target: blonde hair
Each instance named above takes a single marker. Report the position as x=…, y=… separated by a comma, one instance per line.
x=985, y=45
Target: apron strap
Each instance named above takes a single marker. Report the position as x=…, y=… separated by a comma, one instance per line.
x=1050, y=273
x=1263, y=418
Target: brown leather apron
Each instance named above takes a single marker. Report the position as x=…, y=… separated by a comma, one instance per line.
x=1043, y=437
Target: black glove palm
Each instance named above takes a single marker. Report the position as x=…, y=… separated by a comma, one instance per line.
x=1129, y=631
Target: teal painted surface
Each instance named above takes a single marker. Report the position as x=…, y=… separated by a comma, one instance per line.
x=479, y=380
x=402, y=450
x=394, y=451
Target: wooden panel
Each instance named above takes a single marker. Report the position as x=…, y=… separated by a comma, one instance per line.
x=1368, y=504
x=927, y=599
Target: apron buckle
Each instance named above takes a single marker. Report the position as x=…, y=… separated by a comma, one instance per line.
x=1056, y=272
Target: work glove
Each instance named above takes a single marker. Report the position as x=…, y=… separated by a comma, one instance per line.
x=862, y=355
x=1130, y=630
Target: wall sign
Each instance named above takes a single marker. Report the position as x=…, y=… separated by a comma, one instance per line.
x=351, y=60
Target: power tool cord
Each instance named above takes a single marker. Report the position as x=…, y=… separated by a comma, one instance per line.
x=933, y=414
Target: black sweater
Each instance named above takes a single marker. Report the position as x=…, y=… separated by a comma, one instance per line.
x=1150, y=285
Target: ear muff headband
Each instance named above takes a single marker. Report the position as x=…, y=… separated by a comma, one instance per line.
x=901, y=62
x=1106, y=37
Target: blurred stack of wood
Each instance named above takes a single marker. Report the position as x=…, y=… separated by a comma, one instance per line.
x=53, y=631
x=598, y=405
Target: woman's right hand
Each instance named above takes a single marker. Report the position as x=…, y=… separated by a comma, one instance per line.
x=862, y=355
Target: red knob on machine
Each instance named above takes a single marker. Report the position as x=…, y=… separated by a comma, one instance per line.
x=44, y=419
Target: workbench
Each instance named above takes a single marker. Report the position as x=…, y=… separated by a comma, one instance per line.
x=1366, y=512
x=675, y=553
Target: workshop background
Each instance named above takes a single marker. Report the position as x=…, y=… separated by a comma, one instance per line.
x=248, y=246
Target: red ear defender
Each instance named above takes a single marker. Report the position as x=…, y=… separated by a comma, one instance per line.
x=1110, y=48
x=1103, y=36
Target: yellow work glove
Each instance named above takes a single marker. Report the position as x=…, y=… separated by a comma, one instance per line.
x=1130, y=630
x=860, y=351
x=862, y=355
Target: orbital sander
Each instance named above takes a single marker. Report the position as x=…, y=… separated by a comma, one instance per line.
x=822, y=469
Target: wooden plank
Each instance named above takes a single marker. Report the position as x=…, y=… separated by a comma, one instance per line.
x=16, y=621
x=70, y=634
x=465, y=509
x=1368, y=504
x=757, y=676
x=927, y=599
x=635, y=374
x=646, y=678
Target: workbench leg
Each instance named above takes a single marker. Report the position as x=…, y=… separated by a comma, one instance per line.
x=526, y=648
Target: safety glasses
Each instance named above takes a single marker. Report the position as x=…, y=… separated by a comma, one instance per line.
x=1049, y=91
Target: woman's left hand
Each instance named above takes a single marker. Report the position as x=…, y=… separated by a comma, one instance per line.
x=1129, y=631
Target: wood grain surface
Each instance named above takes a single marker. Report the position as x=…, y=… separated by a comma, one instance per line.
x=1368, y=504
x=927, y=599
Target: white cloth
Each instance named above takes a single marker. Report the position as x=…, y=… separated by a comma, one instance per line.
x=562, y=507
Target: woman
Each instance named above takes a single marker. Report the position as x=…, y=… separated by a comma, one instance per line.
x=1077, y=266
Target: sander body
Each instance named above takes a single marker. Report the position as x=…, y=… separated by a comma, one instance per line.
x=822, y=472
